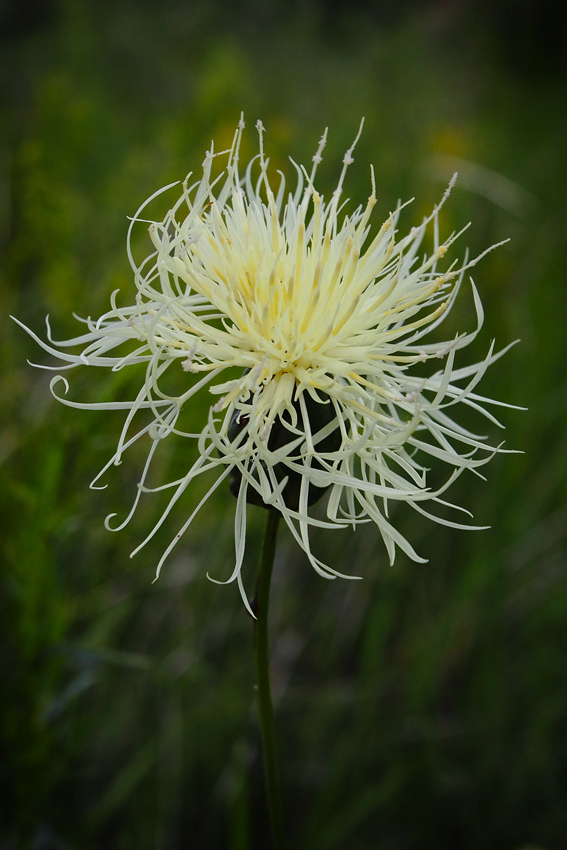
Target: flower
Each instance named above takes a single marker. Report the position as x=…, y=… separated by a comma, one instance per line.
x=309, y=329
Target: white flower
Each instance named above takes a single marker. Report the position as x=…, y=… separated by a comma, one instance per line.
x=306, y=327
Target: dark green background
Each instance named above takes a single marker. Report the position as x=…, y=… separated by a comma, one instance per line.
x=422, y=708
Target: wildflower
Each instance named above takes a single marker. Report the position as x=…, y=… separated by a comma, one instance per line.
x=310, y=331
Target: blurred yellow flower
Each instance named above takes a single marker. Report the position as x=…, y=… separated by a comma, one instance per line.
x=310, y=332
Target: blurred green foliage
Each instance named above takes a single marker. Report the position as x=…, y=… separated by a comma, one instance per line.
x=423, y=707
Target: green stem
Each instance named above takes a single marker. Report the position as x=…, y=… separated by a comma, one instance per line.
x=262, y=662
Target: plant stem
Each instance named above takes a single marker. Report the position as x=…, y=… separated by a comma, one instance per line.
x=262, y=662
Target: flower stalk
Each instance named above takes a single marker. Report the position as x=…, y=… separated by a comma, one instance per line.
x=260, y=607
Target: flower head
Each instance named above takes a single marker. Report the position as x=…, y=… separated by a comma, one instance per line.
x=309, y=329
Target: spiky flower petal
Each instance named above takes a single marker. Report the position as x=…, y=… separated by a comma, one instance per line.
x=294, y=314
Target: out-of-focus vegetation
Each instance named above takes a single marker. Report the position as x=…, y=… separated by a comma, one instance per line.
x=421, y=708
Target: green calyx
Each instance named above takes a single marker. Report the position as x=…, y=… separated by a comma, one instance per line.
x=320, y=414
